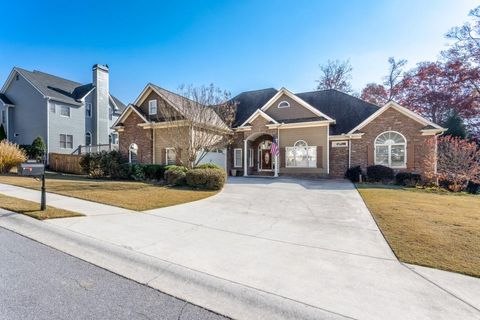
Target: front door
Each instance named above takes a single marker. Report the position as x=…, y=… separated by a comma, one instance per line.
x=266, y=163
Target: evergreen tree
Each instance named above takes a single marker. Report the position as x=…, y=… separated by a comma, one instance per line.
x=3, y=135
x=455, y=126
x=38, y=148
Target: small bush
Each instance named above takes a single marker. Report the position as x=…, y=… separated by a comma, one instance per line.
x=175, y=177
x=208, y=166
x=473, y=188
x=176, y=168
x=136, y=172
x=379, y=173
x=407, y=179
x=153, y=171
x=353, y=173
x=90, y=164
x=104, y=164
x=210, y=179
x=10, y=156
x=3, y=134
x=38, y=149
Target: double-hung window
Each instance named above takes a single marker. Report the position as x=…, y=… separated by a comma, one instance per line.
x=66, y=141
x=171, y=156
x=88, y=110
x=237, y=158
x=152, y=107
x=64, y=111
x=301, y=155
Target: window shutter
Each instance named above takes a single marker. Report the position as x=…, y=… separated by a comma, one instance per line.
x=163, y=157
x=319, y=157
x=370, y=160
x=178, y=156
x=282, y=157
x=411, y=156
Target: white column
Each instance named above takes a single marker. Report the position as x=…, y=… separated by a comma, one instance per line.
x=245, y=157
x=277, y=156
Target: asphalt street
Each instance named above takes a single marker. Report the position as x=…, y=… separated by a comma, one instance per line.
x=38, y=282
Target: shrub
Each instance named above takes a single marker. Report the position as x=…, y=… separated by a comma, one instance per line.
x=10, y=156
x=90, y=164
x=208, y=166
x=211, y=179
x=472, y=187
x=104, y=164
x=37, y=150
x=379, y=173
x=136, y=172
x=407, y=179
x=354, y=173
x=176, y=168
x=153, y=171
x=175, y=177
x=3, y=135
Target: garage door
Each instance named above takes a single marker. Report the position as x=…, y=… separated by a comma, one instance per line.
x=218, y=157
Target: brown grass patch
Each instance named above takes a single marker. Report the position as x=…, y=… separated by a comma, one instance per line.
x=131, y=195
x=439, y=230
x=32, y=209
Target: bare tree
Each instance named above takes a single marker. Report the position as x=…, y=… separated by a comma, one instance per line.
x=395, y=77
x=196, y=121
x=336, y=74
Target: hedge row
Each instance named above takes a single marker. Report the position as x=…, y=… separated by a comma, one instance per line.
x=379, y=173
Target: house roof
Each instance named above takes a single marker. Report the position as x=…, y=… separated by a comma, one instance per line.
x=348, y=111
x=4, y=99
x=60, y=89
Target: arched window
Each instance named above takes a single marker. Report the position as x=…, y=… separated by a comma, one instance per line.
x=301, y=155
x=391, y=150
x=132, y=153
x=284, y=104
x=88, y=139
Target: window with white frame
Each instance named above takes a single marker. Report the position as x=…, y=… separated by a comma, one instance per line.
x=88, y=110
x=250, y=157
x=283, y=104
x=113, y=138
x=301, y=155
x=391, y=150
x=237, y=158
x=88, y=139
x=66, y=141
x=64, y=111
x=132, y=153
x=171, y=156
x=152, y=107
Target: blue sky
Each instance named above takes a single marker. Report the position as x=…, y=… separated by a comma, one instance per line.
x=237, y=45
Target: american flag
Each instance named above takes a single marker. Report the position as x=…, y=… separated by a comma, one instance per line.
x=274, y=149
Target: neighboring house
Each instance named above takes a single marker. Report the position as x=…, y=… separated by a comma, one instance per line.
x=66, y=114
x=319, y=133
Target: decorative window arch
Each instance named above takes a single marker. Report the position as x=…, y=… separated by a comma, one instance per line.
x=88, y=138
x=391, y=149
x=132, y=153
x=283, y=104
x=301, y=155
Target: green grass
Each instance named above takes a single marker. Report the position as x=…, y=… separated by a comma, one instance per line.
x=132, y=195
x=428, y=227
x=32, y=209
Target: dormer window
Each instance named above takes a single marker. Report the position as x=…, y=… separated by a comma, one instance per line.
x=152, y=107
x=284, y=104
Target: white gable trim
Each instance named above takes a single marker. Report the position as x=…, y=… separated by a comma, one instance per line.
x=10, y=79
x=141, y=98
x=255, y=115
x=399, y=108
x=128, y=110
x=298, y=100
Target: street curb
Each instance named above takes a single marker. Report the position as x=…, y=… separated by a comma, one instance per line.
x=219, y=295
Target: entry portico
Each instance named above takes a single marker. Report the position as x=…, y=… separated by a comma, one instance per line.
x=257, y=154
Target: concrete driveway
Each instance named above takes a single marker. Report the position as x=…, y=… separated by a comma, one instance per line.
x=311, y=243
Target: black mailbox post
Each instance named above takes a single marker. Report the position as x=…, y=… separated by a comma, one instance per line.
x=35, y=170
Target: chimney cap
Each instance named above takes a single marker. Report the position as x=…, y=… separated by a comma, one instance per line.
x=100, y=66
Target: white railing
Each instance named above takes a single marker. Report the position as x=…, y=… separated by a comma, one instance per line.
x=96, y=148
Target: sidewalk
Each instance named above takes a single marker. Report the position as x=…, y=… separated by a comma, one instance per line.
x=200, y=253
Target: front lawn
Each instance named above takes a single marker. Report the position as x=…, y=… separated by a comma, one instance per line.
x=434, y=229
x=132, y=195
x=32, y=209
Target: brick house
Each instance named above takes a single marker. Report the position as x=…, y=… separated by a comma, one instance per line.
x=318, y=133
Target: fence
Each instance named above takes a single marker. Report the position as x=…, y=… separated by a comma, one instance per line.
x=67, y=163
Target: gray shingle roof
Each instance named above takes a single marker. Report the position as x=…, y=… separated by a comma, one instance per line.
x=59, y=89
x=348, y=111
x=5, y=99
